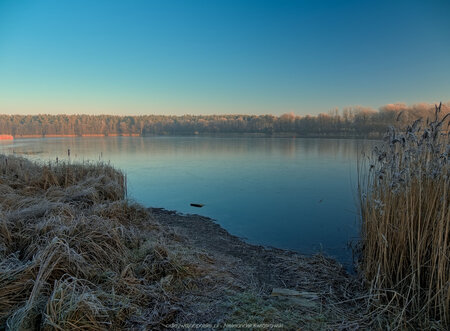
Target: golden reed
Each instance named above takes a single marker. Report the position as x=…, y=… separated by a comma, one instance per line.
x=404, y=206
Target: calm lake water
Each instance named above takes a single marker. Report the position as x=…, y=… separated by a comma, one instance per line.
x=297, y=194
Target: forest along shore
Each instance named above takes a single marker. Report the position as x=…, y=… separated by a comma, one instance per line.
x=357, y=121
x=74, y=252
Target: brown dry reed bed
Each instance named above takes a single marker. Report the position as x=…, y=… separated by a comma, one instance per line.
x=405, y=213
x=76, y=255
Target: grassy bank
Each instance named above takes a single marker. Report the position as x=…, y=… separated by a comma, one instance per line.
x=75, y=255
x=405, y=210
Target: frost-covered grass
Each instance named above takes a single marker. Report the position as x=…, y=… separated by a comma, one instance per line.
x=76, y=255
x=405, y=211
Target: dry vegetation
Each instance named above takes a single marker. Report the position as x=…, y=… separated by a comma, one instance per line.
x=405, y=210
x=74, y=255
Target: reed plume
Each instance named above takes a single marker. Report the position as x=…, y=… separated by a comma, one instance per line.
x=405, y=214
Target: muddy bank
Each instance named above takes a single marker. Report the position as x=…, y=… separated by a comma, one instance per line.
x=321, y=293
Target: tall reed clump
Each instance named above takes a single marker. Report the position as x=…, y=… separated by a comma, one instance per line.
x=405, y=213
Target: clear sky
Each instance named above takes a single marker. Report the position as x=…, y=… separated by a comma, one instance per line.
x=209, y=57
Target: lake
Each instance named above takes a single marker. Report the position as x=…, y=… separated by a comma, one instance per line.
x=293, y=193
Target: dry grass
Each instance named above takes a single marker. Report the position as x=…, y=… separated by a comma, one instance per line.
x=405, y=211
x=76, y=255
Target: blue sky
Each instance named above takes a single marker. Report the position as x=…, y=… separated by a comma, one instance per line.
x=209, y=57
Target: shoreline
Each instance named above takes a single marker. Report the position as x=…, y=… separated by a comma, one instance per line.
x=211, y=229
x=210, y=135
x=318, y=284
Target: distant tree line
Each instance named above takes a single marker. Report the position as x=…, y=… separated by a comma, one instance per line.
x=350, y=122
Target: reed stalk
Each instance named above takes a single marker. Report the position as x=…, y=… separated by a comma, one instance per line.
x=405, y=213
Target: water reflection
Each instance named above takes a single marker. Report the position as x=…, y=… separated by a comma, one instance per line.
x=289, y=193
x=113, y=146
